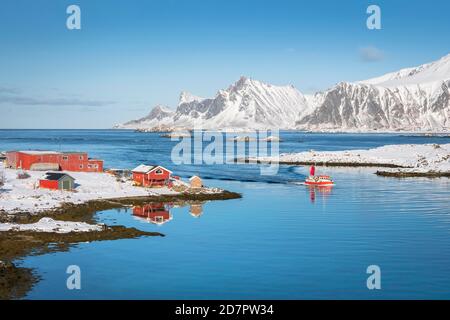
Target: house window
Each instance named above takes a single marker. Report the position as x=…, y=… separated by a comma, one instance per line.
x=90, y=166
x=159, y=171
x=96, y=166
x=65, y=158
x=80, y=157
x=81, y=166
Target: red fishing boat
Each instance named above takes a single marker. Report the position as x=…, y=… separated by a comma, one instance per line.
x=319, y=181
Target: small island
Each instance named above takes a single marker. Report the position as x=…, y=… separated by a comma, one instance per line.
x=405, y=160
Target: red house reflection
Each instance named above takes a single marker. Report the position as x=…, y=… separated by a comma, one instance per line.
x=157, y=213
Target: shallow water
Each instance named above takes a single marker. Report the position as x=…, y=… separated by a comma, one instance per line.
x=281, y=240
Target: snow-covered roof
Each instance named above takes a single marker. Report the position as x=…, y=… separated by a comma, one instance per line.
x=42, y=152
x=56, y=176
x=147, y=168
x=143, y=168
x=39, y=152
x=194, y=177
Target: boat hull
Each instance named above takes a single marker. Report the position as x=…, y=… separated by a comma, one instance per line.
x=319, y=181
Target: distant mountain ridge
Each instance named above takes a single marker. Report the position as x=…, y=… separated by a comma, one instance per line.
x=412, y=99
x=248, y=104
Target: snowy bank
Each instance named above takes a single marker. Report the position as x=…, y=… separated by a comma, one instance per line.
x=50, y=225
x=23, y=195
x=409, y=157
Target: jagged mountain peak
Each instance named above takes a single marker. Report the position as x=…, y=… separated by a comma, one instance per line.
x=187, y=97
x=245, y=82
x=159, y=109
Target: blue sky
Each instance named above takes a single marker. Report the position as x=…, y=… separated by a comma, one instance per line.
x=130, y=55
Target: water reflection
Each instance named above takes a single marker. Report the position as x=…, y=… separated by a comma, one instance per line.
x=159, y=212
x=196, y=210
x=323, y=191
x=156, y=212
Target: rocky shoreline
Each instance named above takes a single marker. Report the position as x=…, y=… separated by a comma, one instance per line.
x=320, y=163
x=15, y=282
x=412, y=174
x=82, y=212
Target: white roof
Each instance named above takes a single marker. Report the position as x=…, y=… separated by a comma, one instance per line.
x=146, y=169
x=39, y=152
x=143, y=168
x=193, y=177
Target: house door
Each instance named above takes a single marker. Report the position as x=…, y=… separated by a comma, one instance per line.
x=66, y=185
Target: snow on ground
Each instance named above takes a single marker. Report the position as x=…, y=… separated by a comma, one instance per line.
x=418, y=157
x=18, y=195
x=50, y=225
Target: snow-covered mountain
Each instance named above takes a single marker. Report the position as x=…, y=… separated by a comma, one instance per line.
x=247, y=104
x=413, y=99
x=159, y=116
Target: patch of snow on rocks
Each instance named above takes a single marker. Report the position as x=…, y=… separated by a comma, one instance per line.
x=50, y=225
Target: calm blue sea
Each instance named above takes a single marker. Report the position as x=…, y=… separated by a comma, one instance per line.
x=280, y=241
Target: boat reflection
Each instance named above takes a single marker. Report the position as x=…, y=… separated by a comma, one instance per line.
x=325, y=191
x=159, y=212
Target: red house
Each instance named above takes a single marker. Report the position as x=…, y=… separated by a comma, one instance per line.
x=51, y=160
x=151, y=176
x=156, y=213
x=57, y=181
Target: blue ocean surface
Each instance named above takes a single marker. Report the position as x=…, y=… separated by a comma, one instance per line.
x=282, y=240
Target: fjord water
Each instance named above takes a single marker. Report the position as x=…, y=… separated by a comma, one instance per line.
x=281, y=240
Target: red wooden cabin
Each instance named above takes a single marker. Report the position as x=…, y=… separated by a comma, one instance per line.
x=151, y=176
x=57, y=181
x=157, y=213
x=51, y=160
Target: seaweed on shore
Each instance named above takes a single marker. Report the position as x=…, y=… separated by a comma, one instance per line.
x=412, y=174
x=322, y=163
x=15, y=282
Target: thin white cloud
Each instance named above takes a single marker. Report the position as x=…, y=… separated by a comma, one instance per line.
x=8, y=90
x=371, y=54
x=13, y=96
